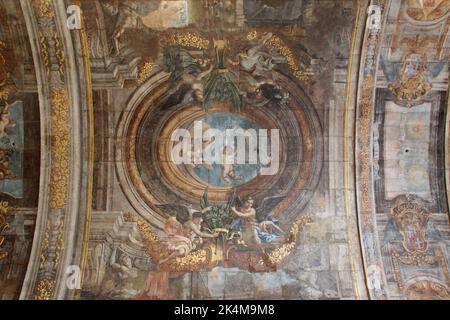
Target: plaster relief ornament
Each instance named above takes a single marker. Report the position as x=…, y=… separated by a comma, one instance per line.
x=411, y=218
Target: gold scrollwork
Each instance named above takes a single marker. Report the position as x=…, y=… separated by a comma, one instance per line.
x=44, y=8
x=279, y=254
x=44, y=52
x=59, y=54
x=278, y=44
x=60, y=149
x=44, y=289
x=190, y=40
x=252, y=35
x=145, y=72
x=199, y=259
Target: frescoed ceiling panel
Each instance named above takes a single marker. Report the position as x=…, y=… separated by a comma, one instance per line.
x=224, y=149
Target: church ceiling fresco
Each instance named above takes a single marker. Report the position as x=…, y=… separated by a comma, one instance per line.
x=224, y=149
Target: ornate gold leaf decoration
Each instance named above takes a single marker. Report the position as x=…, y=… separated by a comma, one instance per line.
x=278, y=44
x=190, y=40
x=60, y=149
x=204, y=258
x=59, y=54
x=46, y=286
x=44, y=52
x=278, y=255
x=252, y=35
x=45, y=242
x=192, y=261
x=4, y=210
x=44, y=8
x=145, y=72
x=44, y=289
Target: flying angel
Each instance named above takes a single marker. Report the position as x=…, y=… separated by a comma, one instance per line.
x=257, y=225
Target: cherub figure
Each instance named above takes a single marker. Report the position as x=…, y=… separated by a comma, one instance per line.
x=257, y=225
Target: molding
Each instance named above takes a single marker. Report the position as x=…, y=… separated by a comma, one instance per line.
x=62, y=216
x=373, y=263
x=351, y=75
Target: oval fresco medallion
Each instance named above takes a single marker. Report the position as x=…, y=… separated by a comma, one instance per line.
x=220, y=158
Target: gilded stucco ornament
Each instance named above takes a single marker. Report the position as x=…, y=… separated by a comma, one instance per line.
x=145, y=72
x=44, y=8
x=279, y=254
x=188, y=40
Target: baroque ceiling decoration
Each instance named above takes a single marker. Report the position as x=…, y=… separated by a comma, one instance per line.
x=224, y=149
